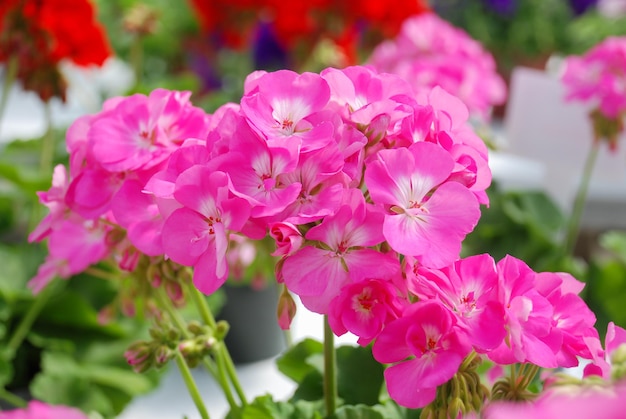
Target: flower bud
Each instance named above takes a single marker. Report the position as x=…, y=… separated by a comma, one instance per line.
x=286, y=309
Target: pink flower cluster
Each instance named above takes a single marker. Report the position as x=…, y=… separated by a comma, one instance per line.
x=599, y=77
x=430, y=52
x=40, y=410
x=368, y=190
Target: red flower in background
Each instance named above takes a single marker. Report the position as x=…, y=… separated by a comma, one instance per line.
x=41, y=33
x=300, y=24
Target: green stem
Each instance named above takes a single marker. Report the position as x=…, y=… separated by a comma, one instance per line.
x=9, y=78
x=29, y=318
x=223, y=369
x=579, y=201
x=191, y=385
x=12, y=398
x=330, y=370
x=222, y=351
x=47, y=147
x=203, y=307
x=136, y=59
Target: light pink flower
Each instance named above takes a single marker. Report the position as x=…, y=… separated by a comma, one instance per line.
x=41, y=410
x=589, y=404
x=72, y=247
x=343, y=254
x=430, y=52
x=54, y=199
x=425, y=349
x=426, y=217
x=364, y=308
x=279, y=104
x=255, y=171
x=140, y=132
x=598, y=77
x=469, y=289
x=528, y=318
x=601, y=358
x=572, y=317
x=197, y=234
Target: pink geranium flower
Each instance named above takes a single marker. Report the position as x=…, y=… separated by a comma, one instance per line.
x=528, y=318
x=279, y=105
x=425, y=349
x=140, y=132
x=430, y=52
x=598, y=77
x=364, y=308
x=54, y=199
x=72, y=247
x=469, y=289
x=572, y=317
x=197, y=234
x=426, y=217
x=41, y=410
x=341, y=254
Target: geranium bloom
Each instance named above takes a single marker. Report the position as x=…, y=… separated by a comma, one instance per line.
x=279, y=105
x=343, y=255
x=41, y=410
x=572, y=318
x=601, y=358
x=73, y=246
x=426, y=350
x=528, y=318
x=364, y=308
x=426, y=217
x=197, y=234
x=469, y=289
x=430, y=52
x=140, y=132
x=598, y=77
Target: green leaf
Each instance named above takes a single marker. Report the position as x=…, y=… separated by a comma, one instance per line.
x=357, y=412
x=310, y=388
x=615, y=241
x=295, y=364
x=71, y=390
x=359, y=375
x=264, y=407
x=6, y=371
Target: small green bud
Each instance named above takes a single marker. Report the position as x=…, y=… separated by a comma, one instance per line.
x=221, y=329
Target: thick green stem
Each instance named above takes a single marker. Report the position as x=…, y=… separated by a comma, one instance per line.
x=29, y=318
x=223, y=370
x=9, y=78
x=191, y=385
x=12, y=399
x=203, y=307
x=330, y=370
x=46, y=158
x=136, y=59
x=579, y=201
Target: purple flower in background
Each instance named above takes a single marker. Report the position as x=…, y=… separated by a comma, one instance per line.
x=502, y=7
x=581, y=6
x=267, y=52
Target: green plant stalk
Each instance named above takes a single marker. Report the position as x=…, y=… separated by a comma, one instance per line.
x=29, y=318
x=9, y=79
x=579, y=201
x=209, y=319
x=191, y=385
x=46, y=158
x=12, y=399
x=330, y=370
x=222, y=371
x=136, y=59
